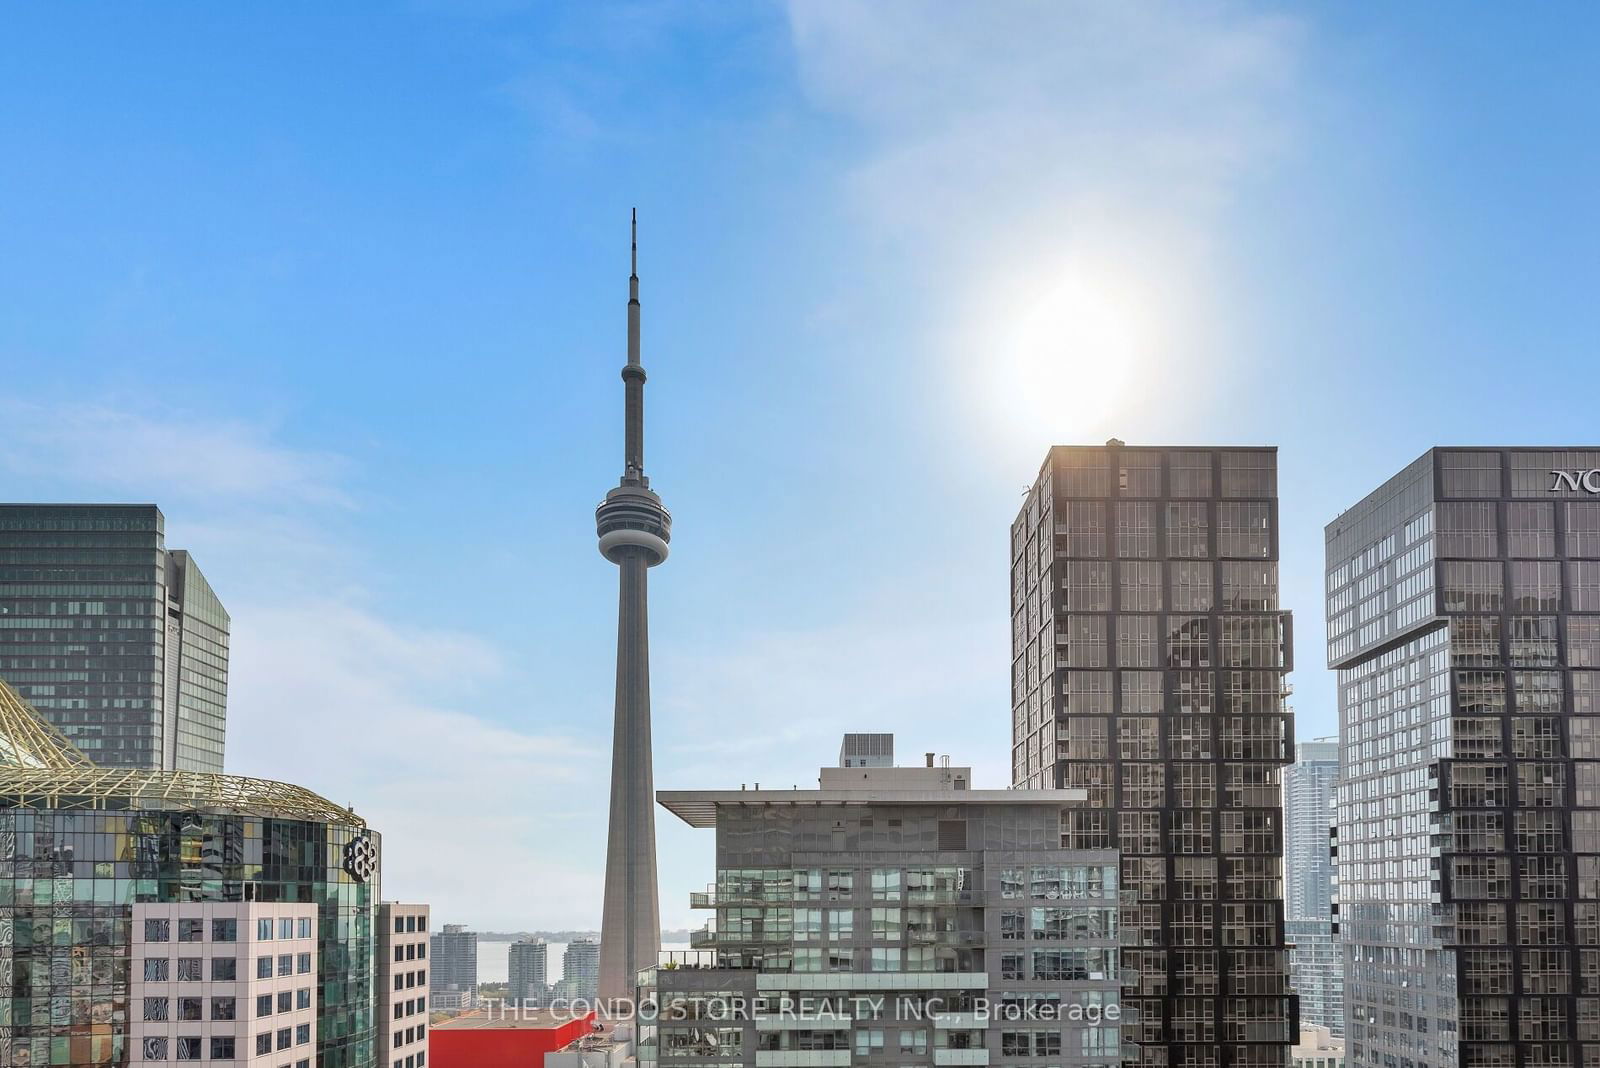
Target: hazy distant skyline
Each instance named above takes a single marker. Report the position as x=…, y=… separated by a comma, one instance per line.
x=343, y=291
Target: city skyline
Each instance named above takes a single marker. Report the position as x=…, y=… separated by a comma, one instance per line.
x=352, y=325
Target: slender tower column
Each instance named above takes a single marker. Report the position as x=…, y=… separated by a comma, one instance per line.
x=634, y=530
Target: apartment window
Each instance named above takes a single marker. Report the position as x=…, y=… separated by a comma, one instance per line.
x=286, y=964
x=869, y=1040
x=263, y=1043
x=286, y=927
x=303, y=927
x=189, y=1048
x=1192, y=586
x=1081, y=526
x=1244, y=530
x=1469, y=474
x=157, y=930
x=1084, y=641
x=1136, y=529
x=224, y=930
x=1249, y=474
x=1531, y=528
x=285, y=1000
x=190, y=970
x=1583, y=585
x=285, y=1037
x=1136, y=641
x=156, y=1009
x=191, y=930
x=302, y=1034
x=155, y=1048
x=224, y=969
x=156, y=969
x=263, y=967
x=302, y=998
x=1141, y=586
x=263, y=1005
x=1188, y=530
x=885, y=959
x=222, y=1048
x=1467, y=528
x=302, y=963
x=223, y=1008
x=264, y=930
x=190, y=1009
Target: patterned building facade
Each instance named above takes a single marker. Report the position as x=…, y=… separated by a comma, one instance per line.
x=1149, y=655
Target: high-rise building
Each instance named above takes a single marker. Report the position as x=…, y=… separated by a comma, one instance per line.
x=402, y=985
x=634, y=529
x=1316, y=971
x=580, y=969
x=891, y=918
x=113, y=638
x=1461, y=599
x=453, y=975
x=528, y=972
x=1149, y=655
x=156, y=916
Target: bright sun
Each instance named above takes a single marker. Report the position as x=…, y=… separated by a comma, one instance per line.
x=1072, y=351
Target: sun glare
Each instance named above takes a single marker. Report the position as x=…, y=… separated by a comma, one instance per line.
x=1072, y=352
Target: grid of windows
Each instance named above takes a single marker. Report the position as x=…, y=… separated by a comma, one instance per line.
x=70, y=878
x=1148, y=663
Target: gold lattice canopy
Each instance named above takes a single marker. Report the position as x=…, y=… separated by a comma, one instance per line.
x=40, y=768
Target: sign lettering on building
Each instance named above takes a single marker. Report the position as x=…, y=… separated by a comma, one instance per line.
x=1588, y=481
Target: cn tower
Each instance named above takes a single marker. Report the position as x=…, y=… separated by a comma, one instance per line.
x=634, y=529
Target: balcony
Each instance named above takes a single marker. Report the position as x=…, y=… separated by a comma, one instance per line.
x=961, y=1021
x=795, y=1021
x=960, y=1056
x=704, y=938
x=802, y=1058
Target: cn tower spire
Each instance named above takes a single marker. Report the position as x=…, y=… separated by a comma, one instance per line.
x=634, y=529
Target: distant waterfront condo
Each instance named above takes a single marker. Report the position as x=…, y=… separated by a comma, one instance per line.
x=453, y=980
x=154, y=916
x=115, y=639
x=1148, y=661
x=580, y=970
x=1316, y=971
x=1463, y=600
x=528, y=972
x=634, y=529
x=893, y=918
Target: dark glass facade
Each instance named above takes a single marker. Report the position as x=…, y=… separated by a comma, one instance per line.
x=70, y=876
x=1464, y=623
x=120, y=643
x=1149, y=656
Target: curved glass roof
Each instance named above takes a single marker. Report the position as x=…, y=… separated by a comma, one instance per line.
x=40, y=768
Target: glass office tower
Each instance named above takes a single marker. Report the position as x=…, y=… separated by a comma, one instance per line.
x=1149, y=656
x=1464, y=623
x=115, y=640
x=1316, y=971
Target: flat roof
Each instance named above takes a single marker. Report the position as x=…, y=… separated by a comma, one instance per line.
x=698, y=808
x=510, y=1019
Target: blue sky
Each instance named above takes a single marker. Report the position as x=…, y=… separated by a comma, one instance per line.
x=343, y=291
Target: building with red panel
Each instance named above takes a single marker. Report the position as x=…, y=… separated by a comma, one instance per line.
x=500, y=1039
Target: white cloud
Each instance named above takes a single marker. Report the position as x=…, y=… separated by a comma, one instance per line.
x=1061, y=170
x=109, y=449
x=476, y=817
x=324, y=690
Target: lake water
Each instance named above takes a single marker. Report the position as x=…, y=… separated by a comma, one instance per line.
x=494, y=960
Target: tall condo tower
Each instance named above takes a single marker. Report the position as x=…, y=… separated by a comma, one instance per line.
x=1149, y=660
x=634, y=529
x=1464, y=623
